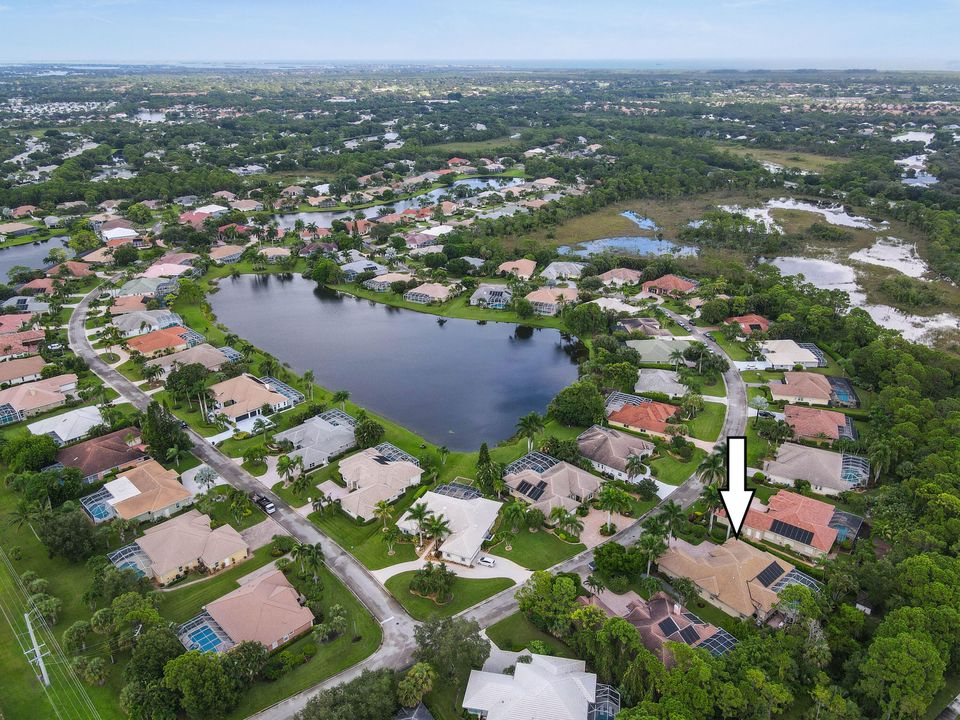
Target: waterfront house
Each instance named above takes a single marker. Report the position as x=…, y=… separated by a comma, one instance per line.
x=608, y=450
x=490, y=295
x=382, y=283
x=469, y=515
x=320, y=438
x=382, y=473
x=67, y=427
x=550, y=300
x=670, y=285
x=428, y=293
x=245, y=396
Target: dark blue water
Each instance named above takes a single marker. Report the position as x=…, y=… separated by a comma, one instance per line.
x=29, y=255
x=630, y=244
x=457, y=384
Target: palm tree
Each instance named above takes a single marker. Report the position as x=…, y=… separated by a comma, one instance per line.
x=300, y=553
x=635, y=467
x=301, y=484
x=285, y=468
x=313, y=558
x=713, y=501
x=880, y=453
x=259, y=426
x=308, y=379
x=25, y=513
x=613, y=499
x=438, y=527
x=174, y=454
x=391, y=536
x=419, y=514
x=676, y=357
x=566, y=521
x=341, y=396
x=651, y=547
x=443, y=451
x=712, y=469
x=381, y=511
x=515, y=513
x=528, y=426
x=320, y=502
x=758, y=403
x=594, y=583
x=673, y=515
x=152, y=372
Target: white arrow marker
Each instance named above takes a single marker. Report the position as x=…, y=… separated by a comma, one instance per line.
x=736, y=498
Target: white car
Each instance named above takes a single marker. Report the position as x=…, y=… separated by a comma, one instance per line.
x=487, y=561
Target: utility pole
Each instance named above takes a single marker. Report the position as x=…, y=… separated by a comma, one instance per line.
x=37, y=654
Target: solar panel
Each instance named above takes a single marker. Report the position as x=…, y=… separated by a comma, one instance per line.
x=770, y=573
x=524, y=487
x=668, y=627
x=719, y=643
x=792, y=532
x=693, y=618
x=690, y=635
x=537, y=492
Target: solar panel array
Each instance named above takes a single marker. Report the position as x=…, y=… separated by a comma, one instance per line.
x=770, y=573
x=690, y=634
x=719, y=643
x=693, y=618
x=534, y=492
x=536, y=461
x=668, y=627
x=792, y=532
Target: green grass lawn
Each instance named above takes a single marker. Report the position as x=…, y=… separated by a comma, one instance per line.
x=466, y=593
x=757, y=448
x=222, y=515
x=257, y=469
x=331, y=658
x=537, y=551
x=674, y=472
x=761, y=376
x=733, y=349
x=515, y=632
x=715, y=389
x=707, y=424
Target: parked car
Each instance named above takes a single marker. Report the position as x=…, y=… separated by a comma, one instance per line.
x=487, y=561
x=263, y=503
x=765, y=414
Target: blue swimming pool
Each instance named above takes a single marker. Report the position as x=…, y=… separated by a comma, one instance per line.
x=100, y=511
x=204, y=638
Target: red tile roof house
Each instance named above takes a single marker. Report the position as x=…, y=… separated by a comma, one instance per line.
x=39, y=286
x=672, y=285
x=457, y=161
x=818, y=425
x=193, y=218
x=171, y=338
x=72, y=267
x=97, y=457
x=788, y=519
x=15, y=322
x=750, y=323
x=649, y=416
x=24, y=211
x=18, y=344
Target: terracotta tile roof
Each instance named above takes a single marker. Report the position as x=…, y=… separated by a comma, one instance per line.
x=20, y=343
x=158, y=340
x=14, y=322
x=552, y=295
x=813, y=423
x=565, y=483
x=265, y=609
x=104, y=453
x=21, y=367
x=128, y=304
x=158, y=488
x=797, y=510
x=621, y=275
x=222, y=251
x=749, y=323
x=75, y=268
x=611, y=447
x=650, y=416
x=812, y=387
x=33, y=396
x=522, y=268
x=39, y=285
x=187, y=538
x=244, y=394
x=672, y=284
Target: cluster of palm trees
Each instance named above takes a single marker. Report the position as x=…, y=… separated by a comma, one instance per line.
x=309, y=557
x=429, y=524
x=433, y=580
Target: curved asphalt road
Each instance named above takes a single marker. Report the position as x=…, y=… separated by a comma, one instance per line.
x=398, y=643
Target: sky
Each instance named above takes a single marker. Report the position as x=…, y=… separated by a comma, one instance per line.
x=883, y=34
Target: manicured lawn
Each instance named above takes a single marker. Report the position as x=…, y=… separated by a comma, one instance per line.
x=537, y=551
x=515, y=632
x=331, y=658
x=707, y=425
x=256, y=469
x=179, y=604
x=674, y=472
x=733, y=349
x=466, y=593
x=222, y=515
x=761, y=376
x=715, y=389
x=757, y=448
x=753, y=392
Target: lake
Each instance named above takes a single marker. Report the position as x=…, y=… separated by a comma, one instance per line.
x=30, y=255
x=630, y=244
x=457, y=384
x=325, y=218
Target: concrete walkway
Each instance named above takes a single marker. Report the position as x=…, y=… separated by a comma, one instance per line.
x=503, y=569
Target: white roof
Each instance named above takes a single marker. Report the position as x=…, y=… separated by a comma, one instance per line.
x=562, y=269
x=438, y=230
x=786, y=352
x=121, y=489
x=70, y=425
x=117, y=233
x=548, y=687
x=212, y=209
x=614, y=305
x=470, y=521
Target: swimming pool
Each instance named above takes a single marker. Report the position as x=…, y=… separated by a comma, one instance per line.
x=204, y=638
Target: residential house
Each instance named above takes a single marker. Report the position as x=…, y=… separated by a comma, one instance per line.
x=24, y=211
x=17, y=229
x=522, y=268
x=671, y=285
x=618, y=277
x=39, y=286
x=292, y=191
x=643, y=414
x=142, y=493
x=804, y=525
x=664, y=382
x=469, y=515
x=168, y=270
x=428, y=293
x=547, y=483
x=151, y=287
x=245, y=396
x=15, y=322
x=33, y=398
x=550, y=300
x=382, y=283
x=143, y=321
x=224, y=195
x=226, y=254
x=120, y=233
x=489, y=295
x=212, y=210
x=247, y=205
x=829, y=473
x=203, y=354
x=749, y=324
x=19, y=344
x=559, y=270
x=187, y=542
x=194, y=218
x=646, y=325
x=738, y=578
x=319, y=439
x=274, y=254
x=67, y=427
x=608, y=451
x=802, y=387
x=787, y=355
x=546, y=687
x=71, y=267
x=21, y=370
x=658, y=350
x=128, y=304
x=818, y=425
x=265, y=609
x=179, y=258
x=373, y=475
x=102, y=455
x=169, y=339
x=350, y=270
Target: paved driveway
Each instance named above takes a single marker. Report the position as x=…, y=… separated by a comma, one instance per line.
x=261, y=534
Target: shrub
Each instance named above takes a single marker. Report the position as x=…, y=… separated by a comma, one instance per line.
x=309, y=650
x=608, y=529
x=283, y=565
x=274, y=669
x=618, y=584
x=282, y=544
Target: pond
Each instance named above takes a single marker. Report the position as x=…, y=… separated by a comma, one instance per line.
x=325, y=218
x=457, y=384
x=29, y=255
x=832, y=213
x=831, y=275
x=630, y=244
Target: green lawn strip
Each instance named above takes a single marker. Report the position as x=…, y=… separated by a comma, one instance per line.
x=708, y=423
x=715, y=389
x=758, y=449
x=179, y=604
x=458, y=307
x=761, y=376
x=466, y=593
x=734, y=349
x=674, y=472
x=537, y=550
x=331, y=658
x=515, y=632
x=256, y=469
x=445, y=701
x=222, y=515
x=754, y=392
